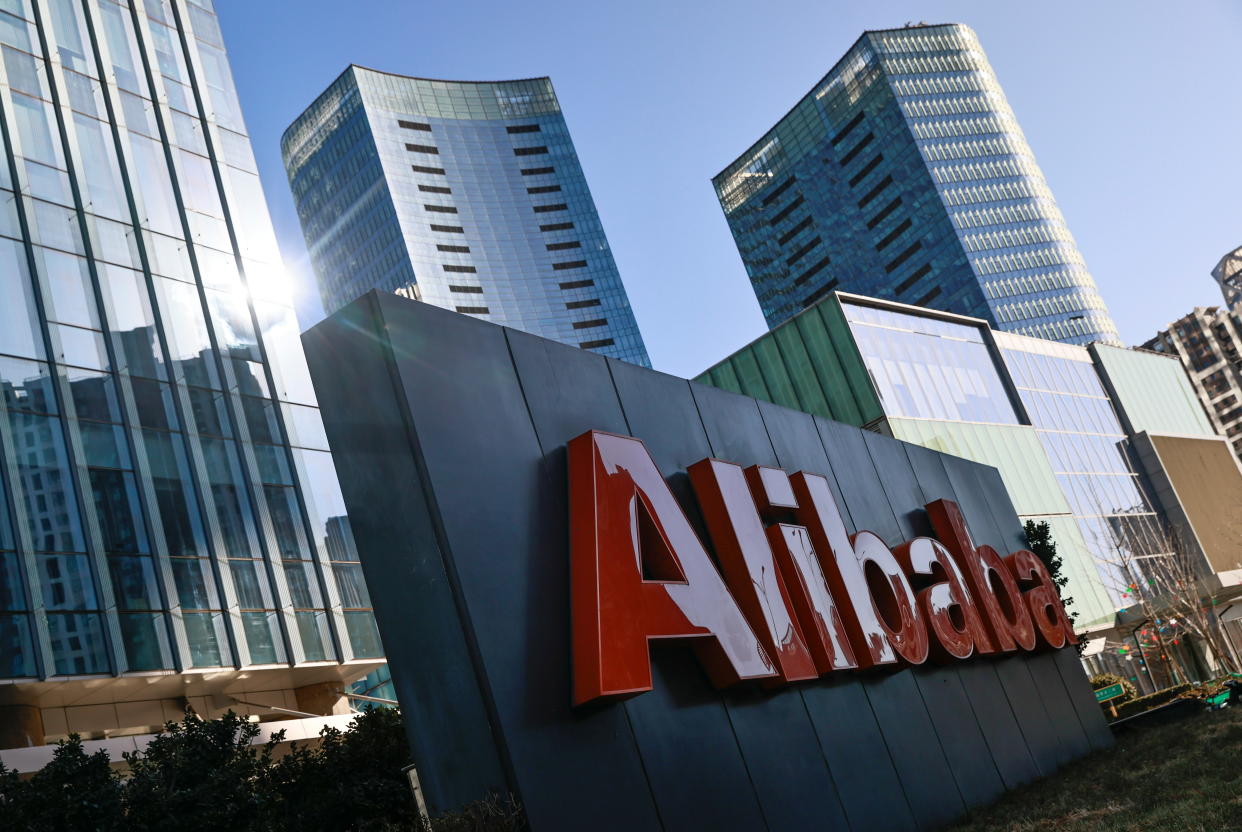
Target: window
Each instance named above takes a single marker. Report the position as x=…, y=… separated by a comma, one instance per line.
x=422, y=148
x=453, y=249
x=845, y=131
x=449, y=229
x=537, y=171
x=903, y=257
x=467, y=290
x=459, y=269
x=912, y=279
x=870, y=166
x=858, y=148
x=577, y=284
x=884, y=212
x=603, y=342
x=786, y=211
x=543, y=209
x=811, y=272
x=590, y=324
x=928, y=297
x=523, y=128
x=780, y=189
x=440, y=209
x=544, y=189
x=435, y=189
x=472, y=310
x=563, y=246
x=793, y=232
x=414, y=125
x=874, y=192
x=582, y=304
x=557, y=226
x=894, y=234
x=802, y=252
x=529, y=151
x=819, y=293
x=424, y=169
x=572, y=264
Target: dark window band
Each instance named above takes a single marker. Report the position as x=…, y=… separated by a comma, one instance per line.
x=454, y=249
x=530, y=151
x=802, y=252
x=845, y=131
x=472, y=310
x=884, y=212
x=603, y=342
x=578, y=284
x=572, y=264
x=522, y=128
x=563, y=246
x=819, y=293
x=544, y=189
x=459, y=269
x=435, y=189
x=894, y=234
x=590, y=324
x=780, y=189
x=914, y=278
x=422, y=148
x=414, y=125
x=858, y=148
x=927, y=297
x=557, y=226
x=449, y=229
x=582, y=304
x=440, y=209
x=793, y=232
x=870, y=166
x=467, y=290
x=786, y=211
x=903, y=257
x=811, y=272
x=537, y=171
x=425, y=169
x=874, y=192
x=543, y=209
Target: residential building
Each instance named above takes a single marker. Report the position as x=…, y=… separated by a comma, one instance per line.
x=903, y=174
x=1209, y=343
x=467, y=195
x=172, y=533
x=1075, y=432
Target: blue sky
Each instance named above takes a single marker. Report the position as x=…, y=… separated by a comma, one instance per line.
x=1131, y=108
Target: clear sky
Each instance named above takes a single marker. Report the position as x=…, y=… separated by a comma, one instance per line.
x=1132, y=109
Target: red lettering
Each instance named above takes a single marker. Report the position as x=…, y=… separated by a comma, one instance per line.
x=640, y=572
x=946, y=605
x=1052, y=625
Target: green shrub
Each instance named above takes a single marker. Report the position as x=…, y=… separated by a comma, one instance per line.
x=1151, y=700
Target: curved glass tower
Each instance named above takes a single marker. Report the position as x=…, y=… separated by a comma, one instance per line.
x=904, y=175
x=467, y=195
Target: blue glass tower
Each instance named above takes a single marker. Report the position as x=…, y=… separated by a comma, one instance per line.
x=171, y=527
x=466, y=195
x=904, y=175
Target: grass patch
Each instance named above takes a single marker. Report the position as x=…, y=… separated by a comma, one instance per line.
x=1185, y=776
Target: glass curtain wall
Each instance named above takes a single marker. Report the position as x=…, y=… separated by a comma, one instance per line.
x=167, y=500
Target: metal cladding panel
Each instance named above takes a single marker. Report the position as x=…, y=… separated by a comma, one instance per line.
x=450, y=437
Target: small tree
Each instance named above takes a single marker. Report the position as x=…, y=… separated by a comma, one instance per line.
x=1039, y=540
x=75, y=790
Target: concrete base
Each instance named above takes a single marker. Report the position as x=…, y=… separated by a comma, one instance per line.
x=325, y=698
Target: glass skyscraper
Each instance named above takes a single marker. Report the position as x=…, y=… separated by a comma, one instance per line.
x=466, y=195
x=171, y=526
x=904, y=175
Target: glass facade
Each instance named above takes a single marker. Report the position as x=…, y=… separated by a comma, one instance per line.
x=466, y=195
x=904, y=175
x=167, y=499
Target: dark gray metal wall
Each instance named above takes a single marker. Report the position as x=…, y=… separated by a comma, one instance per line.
x=449, y=436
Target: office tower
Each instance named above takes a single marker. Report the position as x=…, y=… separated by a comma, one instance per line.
x=904, y=174
x=171, y=528
x=1209, y=343
x=467, y=195
x=1109, y=446
x=1228, y=273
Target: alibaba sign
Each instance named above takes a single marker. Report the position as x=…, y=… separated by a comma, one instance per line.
x=795, y=596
